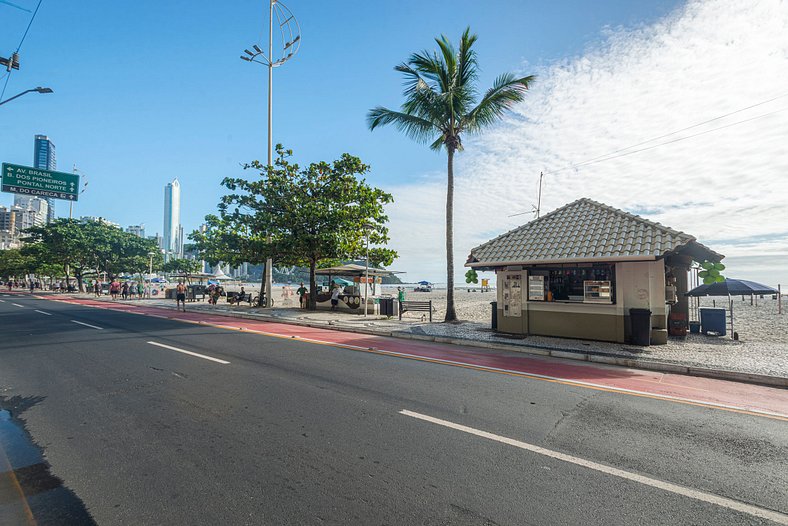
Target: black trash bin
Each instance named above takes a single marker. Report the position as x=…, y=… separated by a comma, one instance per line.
x=387, y=306
x=494, y=314
x=640, y=320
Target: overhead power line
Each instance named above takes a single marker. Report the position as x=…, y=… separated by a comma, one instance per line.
x=607, y=155
x=22, y=41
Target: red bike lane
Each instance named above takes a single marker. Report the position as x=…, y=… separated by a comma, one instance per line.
x=719, y=394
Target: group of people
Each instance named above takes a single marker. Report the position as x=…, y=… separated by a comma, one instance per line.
x=127, y=290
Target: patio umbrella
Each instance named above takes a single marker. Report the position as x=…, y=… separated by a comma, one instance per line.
x=732, y=287
x=424, y=283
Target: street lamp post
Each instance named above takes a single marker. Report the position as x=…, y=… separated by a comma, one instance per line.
x=37, y=90
x=291, y=42
x=150, y=263
x=367, y=228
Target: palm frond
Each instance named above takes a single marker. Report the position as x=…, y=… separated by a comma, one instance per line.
x=431, y=67
x=449, y=56
x=413, y=126
x=467, y=67
x=507, y=90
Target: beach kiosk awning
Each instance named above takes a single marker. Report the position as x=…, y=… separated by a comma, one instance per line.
x=355, y=270
x=587, y=231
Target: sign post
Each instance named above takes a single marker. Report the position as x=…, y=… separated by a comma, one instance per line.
x=25, y=180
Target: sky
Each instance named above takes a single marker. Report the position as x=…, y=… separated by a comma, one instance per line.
x=148, y=91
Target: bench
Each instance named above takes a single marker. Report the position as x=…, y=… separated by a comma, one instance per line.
x=415, y=306
x=236, y=298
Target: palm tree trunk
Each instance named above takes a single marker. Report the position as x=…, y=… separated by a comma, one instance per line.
x=451, y=315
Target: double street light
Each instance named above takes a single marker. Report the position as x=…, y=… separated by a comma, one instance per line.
x=290, y=34
x=37, y=90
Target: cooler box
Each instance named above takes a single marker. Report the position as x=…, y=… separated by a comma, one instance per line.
x=712, y=320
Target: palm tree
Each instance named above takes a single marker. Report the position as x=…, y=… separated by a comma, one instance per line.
x=440, y=106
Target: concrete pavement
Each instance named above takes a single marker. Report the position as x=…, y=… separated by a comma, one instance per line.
x=291, y=432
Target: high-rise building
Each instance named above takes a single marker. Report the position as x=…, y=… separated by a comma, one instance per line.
x=172, y=220
x=137, y=230
x=43, y=158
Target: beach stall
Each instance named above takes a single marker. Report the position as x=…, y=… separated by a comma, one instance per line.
x=352, y=280
x=591, y=271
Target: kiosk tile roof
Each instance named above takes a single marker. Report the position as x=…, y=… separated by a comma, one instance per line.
x=586, y=230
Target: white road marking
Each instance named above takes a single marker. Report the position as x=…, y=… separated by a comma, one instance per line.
x=648, y=481
x=18, y=305
x=2, y=301
x=88, y=325
x=42, y=312
x=217, y=360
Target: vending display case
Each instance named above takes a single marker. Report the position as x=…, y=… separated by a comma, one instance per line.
x=597, y=292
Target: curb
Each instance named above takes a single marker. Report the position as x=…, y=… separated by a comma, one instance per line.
x=538, y=350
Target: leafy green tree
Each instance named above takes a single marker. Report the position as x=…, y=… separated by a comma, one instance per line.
x=236, y=236
x=14, y=264
x=440, y=107
x=300, y=216
x=81, y=246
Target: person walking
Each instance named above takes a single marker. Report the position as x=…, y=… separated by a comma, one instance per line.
x=302, y=292
x=335, y=297
x=97, y=288
x=180, y=296
x=124, y=291
x=140, y=290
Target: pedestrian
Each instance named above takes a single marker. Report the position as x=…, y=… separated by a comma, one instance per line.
x=124, y=291
x=302, y=292
x=400, y=294
x=114, y=289
x=140, y=290
x=335, y=297
x=180, y=296
x=97, y=288
x=32, y=286
x=148, y=288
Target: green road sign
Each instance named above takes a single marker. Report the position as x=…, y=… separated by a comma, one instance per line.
x=25, y=180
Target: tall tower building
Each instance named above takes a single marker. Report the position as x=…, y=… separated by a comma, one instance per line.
x=43, y=158
x=172, y=219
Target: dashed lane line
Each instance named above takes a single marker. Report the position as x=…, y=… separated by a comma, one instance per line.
x=684, y=491
x=43, y=312
x=18, y=305
x=88, y=325
x=190, y=353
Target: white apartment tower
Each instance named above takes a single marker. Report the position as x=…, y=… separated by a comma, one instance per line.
x=173, y=244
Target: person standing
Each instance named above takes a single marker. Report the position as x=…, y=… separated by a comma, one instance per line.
x=302, y=295
x=180, y=296
x=97, y=288
x=114, y=289
x=124, y=291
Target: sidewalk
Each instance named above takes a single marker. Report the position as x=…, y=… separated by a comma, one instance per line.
x=698, y=355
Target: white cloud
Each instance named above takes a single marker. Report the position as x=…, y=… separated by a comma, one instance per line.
x=729, y=187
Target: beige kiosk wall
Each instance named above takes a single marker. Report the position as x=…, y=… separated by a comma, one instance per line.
x=639, y=284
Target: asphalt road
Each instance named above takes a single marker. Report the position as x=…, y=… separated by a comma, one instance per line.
x=288, y=432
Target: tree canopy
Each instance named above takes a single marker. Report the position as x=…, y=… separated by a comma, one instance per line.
x=299, y=216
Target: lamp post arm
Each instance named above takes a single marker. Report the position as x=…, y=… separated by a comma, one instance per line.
x=16, y=96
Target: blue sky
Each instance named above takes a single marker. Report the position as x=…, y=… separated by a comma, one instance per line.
x=147, y=91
